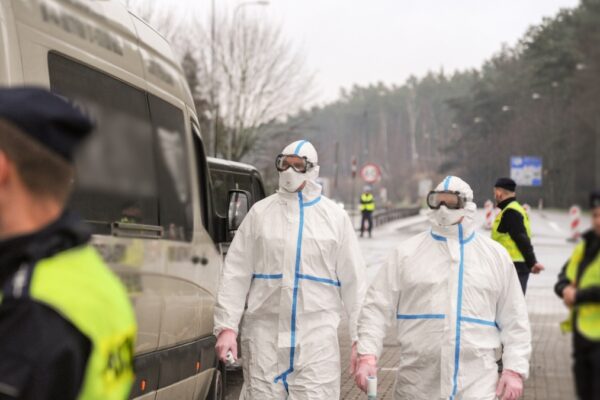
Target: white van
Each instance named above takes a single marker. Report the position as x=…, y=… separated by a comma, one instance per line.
x=142, y=180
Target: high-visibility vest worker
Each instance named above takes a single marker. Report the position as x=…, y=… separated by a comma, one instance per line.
x=67, y=328
x=504, y=238
x=77, y=284
x=588, y=314
x=367, y=202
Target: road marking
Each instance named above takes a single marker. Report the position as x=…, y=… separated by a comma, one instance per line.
x=554, y=226
x=389, y=369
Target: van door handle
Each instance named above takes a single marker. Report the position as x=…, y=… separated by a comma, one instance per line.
x=200, y=260
x=126, y=229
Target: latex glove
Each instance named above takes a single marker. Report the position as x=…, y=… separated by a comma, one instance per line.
x=537, y=268
x=510, y=386
x=353, y=359
x=366, y=366
x=226, y=342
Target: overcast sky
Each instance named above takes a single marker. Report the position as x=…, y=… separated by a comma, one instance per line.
x=366, y=41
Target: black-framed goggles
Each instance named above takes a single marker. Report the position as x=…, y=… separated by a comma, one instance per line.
x=452, y=200
x=297, y=163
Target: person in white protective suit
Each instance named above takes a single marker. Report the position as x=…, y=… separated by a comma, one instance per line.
x=297, y=260
x=456, y=300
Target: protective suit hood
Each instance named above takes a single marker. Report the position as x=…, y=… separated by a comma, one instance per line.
x=444, y=221
x=290, y=180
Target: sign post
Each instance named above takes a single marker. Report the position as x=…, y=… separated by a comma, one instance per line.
x=353, y=198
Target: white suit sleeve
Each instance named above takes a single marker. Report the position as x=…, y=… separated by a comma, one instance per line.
x=513, y=320
x=379, y=308
x=351, y=273
x=236, y=278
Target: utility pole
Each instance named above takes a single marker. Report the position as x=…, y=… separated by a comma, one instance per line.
x=213, y=108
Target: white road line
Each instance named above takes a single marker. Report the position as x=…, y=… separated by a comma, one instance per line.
x=555, y=226
x=388, y=369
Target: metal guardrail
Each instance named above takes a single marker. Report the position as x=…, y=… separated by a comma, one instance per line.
x=381, y=217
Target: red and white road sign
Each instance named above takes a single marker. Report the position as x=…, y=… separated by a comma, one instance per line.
x=370, y=173
x=575, y=215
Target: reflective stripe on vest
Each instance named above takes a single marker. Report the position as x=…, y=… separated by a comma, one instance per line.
x=588, y=314
x=78, y=285
x=367, y=202
x=504, y=238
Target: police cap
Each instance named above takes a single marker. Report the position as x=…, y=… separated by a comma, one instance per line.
x=506, y=183
x=45, y=117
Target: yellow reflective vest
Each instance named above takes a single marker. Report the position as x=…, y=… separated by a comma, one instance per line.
x=367, y=202
x=79, y=286
x=504, y=238
x=588, y=314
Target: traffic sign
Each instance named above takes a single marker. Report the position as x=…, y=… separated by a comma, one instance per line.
x=526, y=171
x=370, y=173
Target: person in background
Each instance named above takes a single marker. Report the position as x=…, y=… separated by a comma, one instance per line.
x=579, y=287
x=512, y=230
x=67, y=329
x=367, y=206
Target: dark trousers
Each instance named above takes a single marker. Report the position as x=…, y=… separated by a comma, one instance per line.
x=367, y=216
x=586, y=368
x=523, y=273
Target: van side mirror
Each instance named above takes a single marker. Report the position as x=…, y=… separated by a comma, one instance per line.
x=238, y=208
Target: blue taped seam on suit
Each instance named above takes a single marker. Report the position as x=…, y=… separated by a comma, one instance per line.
x=420, y=316
x=267, y=276
x=480, y=321
x=322, y=280
x=469, y=238
x=312, y=202
x=438, y=237
x=299, y=146
x=284, y=375
x=458, y=311
x=447, y=182
x=297, y=277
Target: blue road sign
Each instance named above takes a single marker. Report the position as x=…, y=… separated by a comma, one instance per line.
x=526, y=171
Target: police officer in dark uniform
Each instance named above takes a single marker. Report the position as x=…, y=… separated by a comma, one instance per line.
x=512, y=230
x=579, y=287
x=67, y=328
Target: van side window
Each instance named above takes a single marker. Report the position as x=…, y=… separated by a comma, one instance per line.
x=116, y=176
x=221, y=182
x=175, y=204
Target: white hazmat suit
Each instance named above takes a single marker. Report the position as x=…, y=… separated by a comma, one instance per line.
x=296, y=258
x=455, y=298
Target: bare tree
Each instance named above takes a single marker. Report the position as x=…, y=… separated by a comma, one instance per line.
x=259, y=77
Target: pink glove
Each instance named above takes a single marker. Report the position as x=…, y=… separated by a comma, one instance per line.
x=353, y=359
x=511, y=384
x=226, y=342
x=367, y=366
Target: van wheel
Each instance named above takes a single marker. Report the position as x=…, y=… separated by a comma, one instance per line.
x=217, y=387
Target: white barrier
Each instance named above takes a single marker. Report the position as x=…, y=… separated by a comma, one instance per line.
x=489, y=214
x=575, y=216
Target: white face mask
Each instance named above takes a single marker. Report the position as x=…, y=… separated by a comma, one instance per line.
x=290, y=180
x=446, y=217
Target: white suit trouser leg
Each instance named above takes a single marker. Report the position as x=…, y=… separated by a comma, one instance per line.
x=316, y=374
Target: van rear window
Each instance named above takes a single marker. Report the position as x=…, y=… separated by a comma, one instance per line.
x=134, y=167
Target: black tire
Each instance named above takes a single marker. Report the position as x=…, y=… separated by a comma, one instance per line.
x=217, y=386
